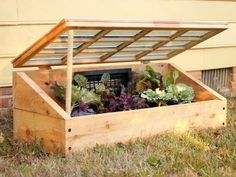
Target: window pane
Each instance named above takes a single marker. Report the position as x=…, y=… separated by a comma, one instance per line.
x=195, y=33
x=122, y=33
x=161, y=33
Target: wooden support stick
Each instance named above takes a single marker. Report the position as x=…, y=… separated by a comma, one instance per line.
x=69, y=71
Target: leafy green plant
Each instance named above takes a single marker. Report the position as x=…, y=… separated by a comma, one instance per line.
x=149, y=79
x=59, y=90
x=160, y=97
x=143, y=89
x=79, y=95
x=105, y=78
x=80, y=80
x=175, y=76
x=102, y=88
x=181, y=93
x=168, y=78
x=143, y=85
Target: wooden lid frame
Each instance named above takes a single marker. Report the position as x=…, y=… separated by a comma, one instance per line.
x=116, y=41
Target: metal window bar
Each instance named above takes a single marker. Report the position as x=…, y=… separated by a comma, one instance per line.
x=217, y=79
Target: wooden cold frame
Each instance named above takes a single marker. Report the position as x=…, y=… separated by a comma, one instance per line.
x=40, y=116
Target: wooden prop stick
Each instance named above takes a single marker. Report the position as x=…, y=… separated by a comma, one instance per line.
x=69, y=71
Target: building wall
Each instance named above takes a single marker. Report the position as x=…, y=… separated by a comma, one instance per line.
x=24, y=21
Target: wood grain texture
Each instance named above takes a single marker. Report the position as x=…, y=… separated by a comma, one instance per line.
x=40, y=117
x=30, y=97
x=117, y=127
x=202, y=92
x=29, y=127
x=69, y=71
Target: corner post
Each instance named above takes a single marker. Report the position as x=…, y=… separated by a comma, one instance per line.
x=69, y=71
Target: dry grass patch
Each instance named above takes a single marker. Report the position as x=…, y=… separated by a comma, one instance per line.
x=204, y=153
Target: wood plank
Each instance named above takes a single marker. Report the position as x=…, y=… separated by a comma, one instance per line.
x=125, y=44
x=30, y=97
x=128, y=125
x=69, y=67
x=137, y=24
x=30, y=127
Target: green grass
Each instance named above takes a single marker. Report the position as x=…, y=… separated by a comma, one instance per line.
x=204, y=153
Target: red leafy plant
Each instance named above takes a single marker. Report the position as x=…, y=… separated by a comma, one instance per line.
x=123, y=102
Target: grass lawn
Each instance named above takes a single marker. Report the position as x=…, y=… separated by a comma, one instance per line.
x=204, y=153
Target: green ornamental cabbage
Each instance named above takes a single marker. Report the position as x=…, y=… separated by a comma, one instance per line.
x=181, y=92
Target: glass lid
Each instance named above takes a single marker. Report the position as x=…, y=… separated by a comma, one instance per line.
x=104, y=41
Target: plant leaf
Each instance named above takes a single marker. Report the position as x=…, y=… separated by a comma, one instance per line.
x=105, y=78
x=175, y=75
x=81, y=80
x=167, y=80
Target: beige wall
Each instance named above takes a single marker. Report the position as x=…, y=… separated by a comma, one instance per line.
x=24, y=21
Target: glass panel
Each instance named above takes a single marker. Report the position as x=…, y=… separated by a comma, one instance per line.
x=142, y=44
x=160, y=53
x=154, y=38
x=89, y=55
x=122, y=33
x=86, y=59
x=125, y=55
x=81, y=34
x=161, y=33
x=188, y=38
x=105, y=44
x=195, y=33
x=176, y=44
x=61, y=43
x=49, y=55
x=41, y=61
x=119, y=59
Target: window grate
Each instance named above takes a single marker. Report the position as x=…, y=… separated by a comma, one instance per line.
x=217, y=79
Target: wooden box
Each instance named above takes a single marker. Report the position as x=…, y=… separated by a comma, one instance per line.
x=108, y=44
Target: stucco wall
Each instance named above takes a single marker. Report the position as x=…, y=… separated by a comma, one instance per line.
x=24, y=21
